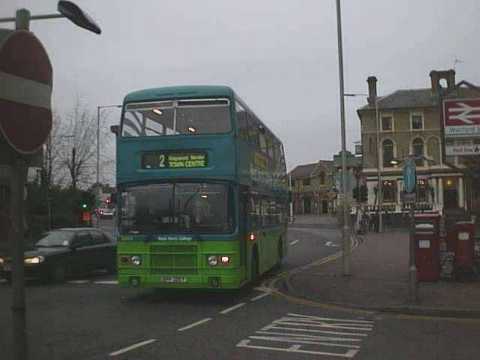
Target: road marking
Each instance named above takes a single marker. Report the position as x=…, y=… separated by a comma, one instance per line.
x=314, y=335
x=230, y=309
x=331, y=244
x=261, y=296
x=294, y=242
x=194, y=324
x=132, y=347
x=106, y=282
x=78, y=282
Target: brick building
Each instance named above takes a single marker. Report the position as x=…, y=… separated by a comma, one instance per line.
x=410, y=122
x=312, y=188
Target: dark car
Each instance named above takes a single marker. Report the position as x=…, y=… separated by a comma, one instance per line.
x=66, y=253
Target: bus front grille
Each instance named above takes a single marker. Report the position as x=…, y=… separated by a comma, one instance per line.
x=173, y=259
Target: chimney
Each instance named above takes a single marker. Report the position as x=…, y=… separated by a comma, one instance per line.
x=372, y=90
x=447, y=75
x=435, y=81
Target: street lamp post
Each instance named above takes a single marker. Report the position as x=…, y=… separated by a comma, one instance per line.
x=346, y=213
x=379, y=173
x=99, y=109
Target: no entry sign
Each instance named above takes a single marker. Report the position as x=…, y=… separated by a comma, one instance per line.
x=25, y=91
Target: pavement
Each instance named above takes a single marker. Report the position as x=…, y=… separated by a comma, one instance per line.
x=379, y=282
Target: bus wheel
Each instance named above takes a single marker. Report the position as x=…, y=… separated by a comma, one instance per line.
x=254, y=266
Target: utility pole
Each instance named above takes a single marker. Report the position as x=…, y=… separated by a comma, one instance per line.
x=66, y=9
x=379, y=172
x=346, y=213
x=99, y=108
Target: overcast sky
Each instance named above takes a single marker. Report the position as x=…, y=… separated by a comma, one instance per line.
x=280, y=56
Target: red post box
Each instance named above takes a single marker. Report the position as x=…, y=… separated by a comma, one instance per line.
x=465, y=245
x=427, y=250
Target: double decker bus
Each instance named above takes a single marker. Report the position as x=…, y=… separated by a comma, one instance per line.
x=202, y=193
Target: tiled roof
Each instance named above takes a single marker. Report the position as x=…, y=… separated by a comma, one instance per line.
x=405, y=99
x=303, y=171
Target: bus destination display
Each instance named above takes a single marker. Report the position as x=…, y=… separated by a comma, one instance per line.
x=169, y=160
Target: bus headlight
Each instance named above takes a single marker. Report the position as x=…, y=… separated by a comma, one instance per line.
x=136, y=260
x=34, y=260
x=225, y=260
x=212, y=260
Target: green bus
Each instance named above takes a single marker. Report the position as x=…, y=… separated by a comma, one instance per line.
x=201, y=189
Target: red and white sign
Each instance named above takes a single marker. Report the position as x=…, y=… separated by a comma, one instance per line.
x=25, y=91
x=462, y=117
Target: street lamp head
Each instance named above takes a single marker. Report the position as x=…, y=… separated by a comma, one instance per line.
x=76, y=15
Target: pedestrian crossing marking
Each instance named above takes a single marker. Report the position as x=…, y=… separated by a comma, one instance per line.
x=314, y=335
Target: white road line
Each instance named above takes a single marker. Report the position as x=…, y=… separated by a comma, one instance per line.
x=77, y=282
x=294, y=242
x=194, y=324
x=230, y=309
x=260, y=296
x=106, y=282
x=131, y=347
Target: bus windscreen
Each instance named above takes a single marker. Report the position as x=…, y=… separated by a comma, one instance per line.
x=183, y=117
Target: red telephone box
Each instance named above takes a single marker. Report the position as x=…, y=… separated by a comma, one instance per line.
x=465, y=244
x=427, y=247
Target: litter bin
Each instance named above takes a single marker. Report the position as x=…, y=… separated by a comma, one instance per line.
x=465, y=245
x=427, y=251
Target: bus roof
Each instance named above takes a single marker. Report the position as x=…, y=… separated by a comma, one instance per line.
x=172, y=92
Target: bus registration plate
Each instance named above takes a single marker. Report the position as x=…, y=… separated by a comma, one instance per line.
x=173, y=279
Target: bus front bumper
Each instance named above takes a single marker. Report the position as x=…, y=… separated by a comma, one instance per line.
x=204, y=281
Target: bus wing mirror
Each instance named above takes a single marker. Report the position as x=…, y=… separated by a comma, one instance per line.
x=115, y=129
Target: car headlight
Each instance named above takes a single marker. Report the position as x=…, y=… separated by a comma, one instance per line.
x=136, y=260
x=34, y=260
x=212, y=260
x=1, y=261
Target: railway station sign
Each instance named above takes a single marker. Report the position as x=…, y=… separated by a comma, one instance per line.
x=462, y=117
x=25, y=91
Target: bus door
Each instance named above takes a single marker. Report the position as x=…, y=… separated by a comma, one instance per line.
x=243, y=224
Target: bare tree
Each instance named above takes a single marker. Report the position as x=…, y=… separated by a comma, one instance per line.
x=77, y=136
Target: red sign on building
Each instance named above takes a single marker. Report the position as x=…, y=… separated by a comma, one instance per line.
x=462, y=117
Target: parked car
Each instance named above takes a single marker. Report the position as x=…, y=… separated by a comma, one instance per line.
x=106, y=213
x=66, y=253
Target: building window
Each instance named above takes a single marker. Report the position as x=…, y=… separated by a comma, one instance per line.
x=389, y=191
x=387, y=152
x=322, y=178
x=418, y=151
x=387, y=123
x=306, y=181
x=416, y=122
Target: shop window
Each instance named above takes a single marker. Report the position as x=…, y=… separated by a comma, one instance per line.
x=422, y=190
x=389, y=191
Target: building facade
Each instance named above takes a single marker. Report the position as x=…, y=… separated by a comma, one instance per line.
x=312, y=187
x=410, y=122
